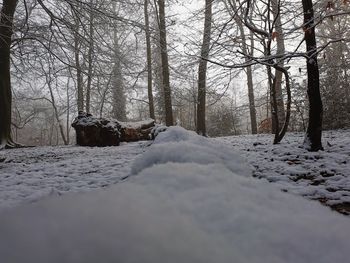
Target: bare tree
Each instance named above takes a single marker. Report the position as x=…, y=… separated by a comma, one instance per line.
x=165, y=64
x=232, y=9
x=6, y=31
x=49, y=82
x=202, y=69
x=149, y=62
x=118, y=92
x=79, y=72
x=90, y=58
x=313, y=137
x=278, y=34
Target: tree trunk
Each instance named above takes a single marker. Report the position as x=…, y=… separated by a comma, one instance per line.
x=119, y=99
x=90, y=60
x=202, y=70
x=251, y=97
x=47, y=69
x=285, y=124
x=165, y=65
x=6, y=25
x=68, y=109
x=280, y=50
x=79, y=80
x=313, y=137
x=53, y=102
x=149, y=63
x=77, y=66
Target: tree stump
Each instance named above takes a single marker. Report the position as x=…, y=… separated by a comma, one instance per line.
x=91, y=131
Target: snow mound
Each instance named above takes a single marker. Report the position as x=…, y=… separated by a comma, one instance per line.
x=176, y=134
x=177, y=211
x=181, y=146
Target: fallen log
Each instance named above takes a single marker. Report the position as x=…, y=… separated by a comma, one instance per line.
x=92, y=131
x=136, y=131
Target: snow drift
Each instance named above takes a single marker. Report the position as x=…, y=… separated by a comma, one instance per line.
x=189, y=201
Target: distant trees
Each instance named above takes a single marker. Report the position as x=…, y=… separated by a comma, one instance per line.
x=139, y=59
x=334, y=71
x=262, y=21
x=247, y=49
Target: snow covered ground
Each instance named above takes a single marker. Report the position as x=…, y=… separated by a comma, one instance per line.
x=322, y=176
x=187, y=199
x=29, y=174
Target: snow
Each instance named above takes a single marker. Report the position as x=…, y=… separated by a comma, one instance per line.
x=323, y=175
x=87, y=120
x=181, y=206
x=136, y=124
x=29, y=174
x=180, y=146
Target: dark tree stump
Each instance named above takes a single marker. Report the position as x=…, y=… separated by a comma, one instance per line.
x=91, y=131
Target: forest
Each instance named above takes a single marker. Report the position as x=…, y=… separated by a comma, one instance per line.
x=217, y=67
x=222, y=126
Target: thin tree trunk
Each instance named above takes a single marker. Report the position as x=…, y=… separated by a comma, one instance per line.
x=58, y=117
x=280, y=50
x=284, y=128
x=149, y=63
x=53, y=103
x=165, y=65
x=272, y=81
x=313, y=138
x=251, y=97
x=68, y=115
x=90, y=61
x=104, y=93
x=202, y=70
x=119, y=99
x=273, y=101
x=80, y=89
x=6, y=27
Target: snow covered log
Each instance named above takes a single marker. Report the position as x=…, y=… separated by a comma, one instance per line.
x=136, y=131
x=92, y=131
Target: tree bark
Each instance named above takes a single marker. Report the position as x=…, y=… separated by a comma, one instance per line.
x=90, y=60
x=118, y=92
x=119, y=99
x=202, y=70
x=6, y=31
x=149, y=63
x=165, y=65
x=79, y=80
x=251, y=98
x=313, y=137
x=280, y=50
